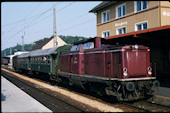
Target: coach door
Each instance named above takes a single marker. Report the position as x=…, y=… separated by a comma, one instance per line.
x=53, y=57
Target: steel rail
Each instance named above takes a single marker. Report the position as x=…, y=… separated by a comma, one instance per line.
x=64, y=101
x=149, y=108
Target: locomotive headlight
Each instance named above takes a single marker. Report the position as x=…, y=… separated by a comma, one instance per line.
x=149, y=70
x=125, y=71
x=136, y=46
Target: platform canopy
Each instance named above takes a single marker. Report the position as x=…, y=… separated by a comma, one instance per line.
x=153, y=36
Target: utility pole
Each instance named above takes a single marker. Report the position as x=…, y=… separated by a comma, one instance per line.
x=22, y=43
x=54, y=28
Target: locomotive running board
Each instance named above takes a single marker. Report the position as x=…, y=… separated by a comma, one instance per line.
x=93, y=78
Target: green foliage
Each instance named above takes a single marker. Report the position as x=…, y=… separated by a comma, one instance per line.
x=28, y=47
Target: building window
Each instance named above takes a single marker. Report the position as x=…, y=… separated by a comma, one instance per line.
x=105, y=16
x=105, y=34
x=141, y=26
x=140, y=5
x=121, y=11
x=121, y=30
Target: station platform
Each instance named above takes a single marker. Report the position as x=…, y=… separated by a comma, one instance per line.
x=14, y=99
x=162, y=97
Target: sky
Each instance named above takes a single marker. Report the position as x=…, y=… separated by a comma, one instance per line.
x=34, y=20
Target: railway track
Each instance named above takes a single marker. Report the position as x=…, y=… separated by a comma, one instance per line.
x=140, y=106
x=52, y=102
x=147, y=106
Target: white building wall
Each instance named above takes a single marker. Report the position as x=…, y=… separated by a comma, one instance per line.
x=50, y=43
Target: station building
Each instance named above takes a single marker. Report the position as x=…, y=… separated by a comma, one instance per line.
x=138, y=22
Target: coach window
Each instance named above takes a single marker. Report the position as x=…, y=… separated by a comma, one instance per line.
x=39, y=60
x=88, y=45
x=48, y=60
x=36, y=60
x=33, y=60
x=42, y=61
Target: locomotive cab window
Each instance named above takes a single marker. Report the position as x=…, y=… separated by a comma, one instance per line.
x=88, y=45
x=75, y=47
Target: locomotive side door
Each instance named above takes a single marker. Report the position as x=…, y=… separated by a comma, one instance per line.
x=70, y=62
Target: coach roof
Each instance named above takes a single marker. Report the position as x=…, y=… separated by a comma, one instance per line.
x=43, y=52
x=39, y=52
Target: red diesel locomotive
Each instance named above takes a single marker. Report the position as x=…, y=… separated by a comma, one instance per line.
x=114, y=70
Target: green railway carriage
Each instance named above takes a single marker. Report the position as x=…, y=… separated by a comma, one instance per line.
x=47, y=60
x=43, y=60
x=24, y=62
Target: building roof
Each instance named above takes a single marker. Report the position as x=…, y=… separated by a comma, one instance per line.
x=41, y=44
x=102, y=5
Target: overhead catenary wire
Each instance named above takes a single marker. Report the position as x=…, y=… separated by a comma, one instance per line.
x=78, y=25
x=68, y=21
x=42, y=19
x=34, y=20
x=14, y=28
x=24, y=18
